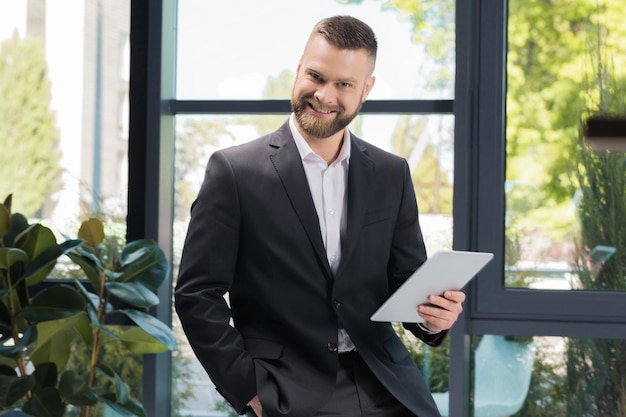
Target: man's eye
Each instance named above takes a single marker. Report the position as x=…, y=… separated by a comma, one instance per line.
x=316, y=77
x=345, y=85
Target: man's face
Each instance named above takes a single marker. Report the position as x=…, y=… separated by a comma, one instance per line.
x=331, y=84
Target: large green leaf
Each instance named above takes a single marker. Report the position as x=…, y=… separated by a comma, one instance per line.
x=14, y=388
x=138, y=341
x=92, y=232
x=7, y=370
x=144, y=260
x=88, y=266
x=24, y=345
x=36, y=240
x=90, y=253
x=74, y=390
x=53, y=303
x=56, y=338
x=95, y=322
x=12, y=300
x=121, y=389
x=9, y=256
x=4, y=361
x=92, y=310
x=45, y=402
x=5, y=220
x=133, y=293
x=44, y=261
x=153, y=327
x=8, y=202
x=93, y=299
x=45, y=375
x=19, y=224
x=6, y=321
x=131, y=408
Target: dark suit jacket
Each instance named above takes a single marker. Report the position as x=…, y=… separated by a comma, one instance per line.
x=254, y=233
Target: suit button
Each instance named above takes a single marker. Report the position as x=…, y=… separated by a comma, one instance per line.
x=337, y=304
x=332, y=347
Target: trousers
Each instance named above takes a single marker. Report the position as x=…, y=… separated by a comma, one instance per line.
x=358, y=393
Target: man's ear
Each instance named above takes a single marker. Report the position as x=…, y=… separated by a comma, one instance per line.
x=368, y=87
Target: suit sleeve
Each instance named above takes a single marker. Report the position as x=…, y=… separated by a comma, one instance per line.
x=206, y=273
x=408, y=252
x=431, y=339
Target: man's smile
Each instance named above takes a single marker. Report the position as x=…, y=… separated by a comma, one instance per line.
x=322, y=110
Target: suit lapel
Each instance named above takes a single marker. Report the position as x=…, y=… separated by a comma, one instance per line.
x=359, y=175
x=288, y=164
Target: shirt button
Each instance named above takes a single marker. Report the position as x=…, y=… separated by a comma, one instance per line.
x=331, y=212
x=332, y=347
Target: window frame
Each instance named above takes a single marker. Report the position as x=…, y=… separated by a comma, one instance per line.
x=495, y=308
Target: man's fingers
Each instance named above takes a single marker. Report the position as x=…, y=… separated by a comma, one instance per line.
x=456, y=296
x=442, y=312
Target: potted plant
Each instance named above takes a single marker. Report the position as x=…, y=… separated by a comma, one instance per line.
x=40, y=329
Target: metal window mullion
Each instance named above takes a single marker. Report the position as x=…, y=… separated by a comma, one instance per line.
x=174, y=107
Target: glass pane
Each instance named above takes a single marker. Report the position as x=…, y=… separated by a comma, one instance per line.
x=566, y=203
x=548, y=377
x=64, y=74
x=426, y=142
x=231, y=52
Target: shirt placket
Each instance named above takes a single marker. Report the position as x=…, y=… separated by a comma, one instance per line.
x=332, y=213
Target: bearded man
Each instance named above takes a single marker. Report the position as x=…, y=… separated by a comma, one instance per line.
x=309, y=229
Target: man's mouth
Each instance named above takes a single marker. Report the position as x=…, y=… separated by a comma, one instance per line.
x=320, y=109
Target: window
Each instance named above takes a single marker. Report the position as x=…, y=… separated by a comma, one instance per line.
x=500, y=207
x=562, y=198
x=68, y=125
x=512, y=164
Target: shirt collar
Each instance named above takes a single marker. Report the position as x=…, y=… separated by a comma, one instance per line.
x=305, y=150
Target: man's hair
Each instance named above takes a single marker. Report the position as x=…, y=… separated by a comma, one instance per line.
x=347, y=32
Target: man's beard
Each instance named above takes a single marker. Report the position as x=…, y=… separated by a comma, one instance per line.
x=316, y=127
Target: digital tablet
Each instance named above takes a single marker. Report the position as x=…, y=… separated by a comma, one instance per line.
x=445, y=270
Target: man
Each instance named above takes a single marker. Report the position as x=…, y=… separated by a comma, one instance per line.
x=309, y=229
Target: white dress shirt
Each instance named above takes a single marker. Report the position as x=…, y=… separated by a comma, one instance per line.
x=328, y=184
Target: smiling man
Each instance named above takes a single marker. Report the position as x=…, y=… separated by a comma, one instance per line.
x=331, y=84
x=309, y=229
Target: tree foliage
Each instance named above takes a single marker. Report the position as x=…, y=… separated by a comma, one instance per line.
x=566, y=62
x=29, y=159
x=414, y=139
x=196, y=139
x=433, y=24
x=545, y=54
x=597, y=368
x=552, y=50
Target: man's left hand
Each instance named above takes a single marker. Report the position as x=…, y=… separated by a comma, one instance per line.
x=443, y=311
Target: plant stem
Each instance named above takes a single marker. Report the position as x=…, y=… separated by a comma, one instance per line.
x=21, y=362
x=96, y=343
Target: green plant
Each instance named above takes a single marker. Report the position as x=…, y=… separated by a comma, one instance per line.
x=39, y=331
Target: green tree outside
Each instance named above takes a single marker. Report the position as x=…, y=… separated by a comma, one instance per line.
x=566, y=62
x=29, y=157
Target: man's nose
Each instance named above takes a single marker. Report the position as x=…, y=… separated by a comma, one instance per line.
x=326, y=94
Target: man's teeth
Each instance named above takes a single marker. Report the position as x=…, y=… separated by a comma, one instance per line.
x=321, y=111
